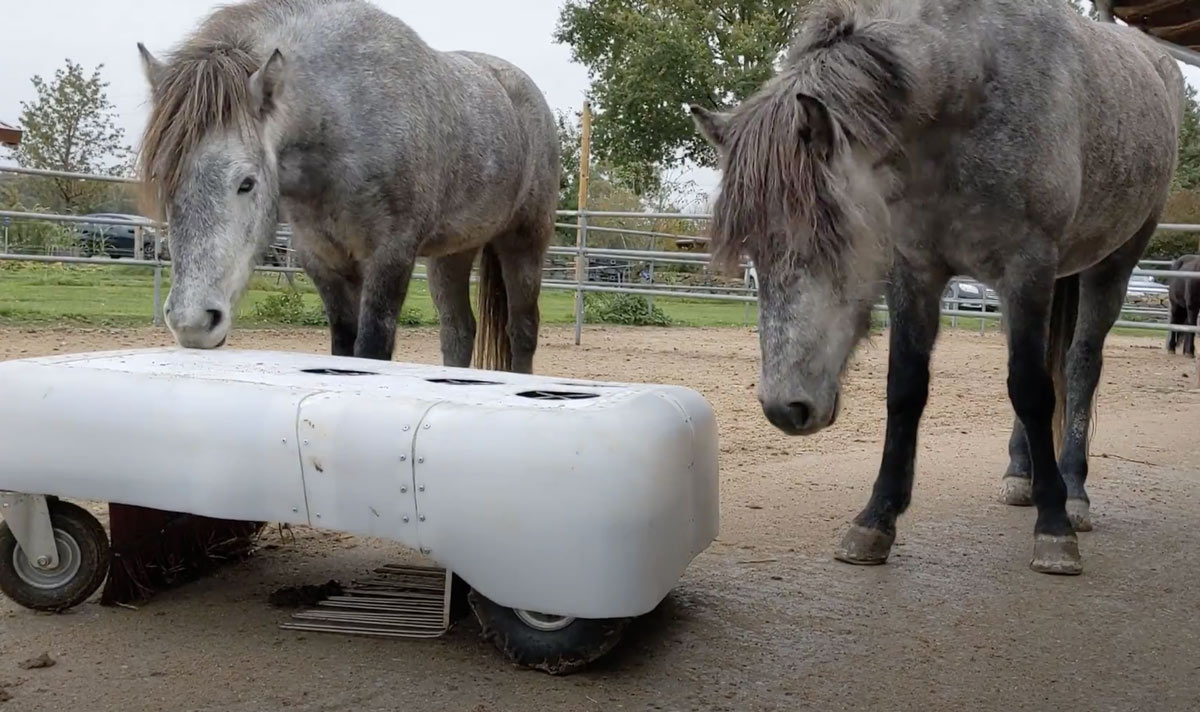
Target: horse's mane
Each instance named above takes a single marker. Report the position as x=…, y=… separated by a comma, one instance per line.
x=202, y=86
x=778, y=192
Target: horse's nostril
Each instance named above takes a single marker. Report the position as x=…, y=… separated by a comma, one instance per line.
x=215, y=317
x=800, y=412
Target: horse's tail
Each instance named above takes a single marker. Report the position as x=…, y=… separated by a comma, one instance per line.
x=1064, y=312
x=493, y=351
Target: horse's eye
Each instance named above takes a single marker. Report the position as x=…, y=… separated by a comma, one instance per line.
x=246, y=186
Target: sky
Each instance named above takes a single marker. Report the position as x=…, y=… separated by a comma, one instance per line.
x=43, y=33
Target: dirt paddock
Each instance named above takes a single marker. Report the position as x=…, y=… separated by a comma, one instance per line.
x=765, y=619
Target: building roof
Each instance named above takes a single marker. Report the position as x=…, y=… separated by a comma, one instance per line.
x=9, y=135
x=1174, y=21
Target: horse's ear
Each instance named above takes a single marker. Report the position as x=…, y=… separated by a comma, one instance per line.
x=711, y=124
x=818, y=123
x=151, y=67
x=267, y=82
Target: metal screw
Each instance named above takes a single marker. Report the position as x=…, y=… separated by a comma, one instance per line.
x=405, y=428
x=427, y=426
x=306, y=442
x=43, y=561
x=421, y=488
x=284, y=441
x=403, y=458
x=422, y=517
x=406, y=520
x=403, y=490
x=318, y=516
x=295, y=509
x=420, y=459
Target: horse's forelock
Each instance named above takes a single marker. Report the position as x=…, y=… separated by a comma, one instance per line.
x=202, y=88
x=780, y=198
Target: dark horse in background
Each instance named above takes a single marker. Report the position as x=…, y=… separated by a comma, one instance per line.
x=1183, y=297
x=907, y=141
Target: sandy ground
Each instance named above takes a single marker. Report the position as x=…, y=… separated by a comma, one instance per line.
x=764, y=620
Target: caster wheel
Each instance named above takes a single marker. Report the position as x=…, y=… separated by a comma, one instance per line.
x=83, y=560
x=553, y=644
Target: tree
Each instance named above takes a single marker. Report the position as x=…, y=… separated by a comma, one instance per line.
x=71, y=126
x=648, y=58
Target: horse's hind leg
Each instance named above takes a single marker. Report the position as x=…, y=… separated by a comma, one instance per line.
x=450, y=287
x=1189, y=339
x=1027, y=301
x=1101, y=293
x=1016, y=488
x=1178, y=316
x=521, y=256
x=915, y=305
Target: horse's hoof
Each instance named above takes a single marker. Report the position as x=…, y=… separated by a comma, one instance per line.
x=863, y=546
x=1016, y=491
x=1056, y=555
x=1079, y=512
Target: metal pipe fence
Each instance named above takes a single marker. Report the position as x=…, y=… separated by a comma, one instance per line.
x=588, y=276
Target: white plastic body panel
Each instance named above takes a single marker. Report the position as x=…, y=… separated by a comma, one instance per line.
x=591, y=507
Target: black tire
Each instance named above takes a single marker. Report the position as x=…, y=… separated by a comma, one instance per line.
x=557, y=652
x=90, y=541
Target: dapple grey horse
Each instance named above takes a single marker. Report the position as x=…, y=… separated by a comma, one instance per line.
x=377, y=148
x=906, y=141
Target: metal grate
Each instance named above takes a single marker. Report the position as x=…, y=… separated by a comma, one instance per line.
x=400, y=602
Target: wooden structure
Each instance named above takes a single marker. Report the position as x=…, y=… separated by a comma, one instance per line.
x=1176, y=23
x=10, y=136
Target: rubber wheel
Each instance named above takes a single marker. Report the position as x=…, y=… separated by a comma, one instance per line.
x=557, y=652
x=83, y=554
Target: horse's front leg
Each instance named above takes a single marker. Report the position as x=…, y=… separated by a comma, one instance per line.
x=385, y=284
x=340, y=292
x=1027, y=303
x=915, y=305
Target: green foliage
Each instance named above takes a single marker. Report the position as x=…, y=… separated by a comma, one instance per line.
x=625, y=309
x=287, y=307
x=71, y=126
x=647, y=58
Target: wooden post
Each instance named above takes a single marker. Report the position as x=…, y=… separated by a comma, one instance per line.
x=585, y=165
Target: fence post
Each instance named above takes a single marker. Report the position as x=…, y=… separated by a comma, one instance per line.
x=5, y=221
x=650, y=299
x=585, y=164
x=158, y=315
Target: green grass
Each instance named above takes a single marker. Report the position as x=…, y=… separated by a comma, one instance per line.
x=124, y=296
x=47, y=294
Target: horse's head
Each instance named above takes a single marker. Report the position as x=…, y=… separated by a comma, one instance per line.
x=208, y=168
x=796, y=200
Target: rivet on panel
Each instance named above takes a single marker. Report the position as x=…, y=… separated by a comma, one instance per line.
x=295, y=509
x=403, y=490
x=427, y=426
x=422, y=517
x=405, y=520
x=421, y=488
x=405, y=428
x=318, y=516
x=420, y=460
x=403, y=458
x=306, y=442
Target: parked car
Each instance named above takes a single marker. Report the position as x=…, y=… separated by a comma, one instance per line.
x=114, y=241
x=972, y=293
x=1142, y=285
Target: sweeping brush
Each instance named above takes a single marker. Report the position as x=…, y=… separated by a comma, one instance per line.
x=154, y=549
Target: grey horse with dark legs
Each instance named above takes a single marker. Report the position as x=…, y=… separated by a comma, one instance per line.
x=378, y=150
x=906, y=141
